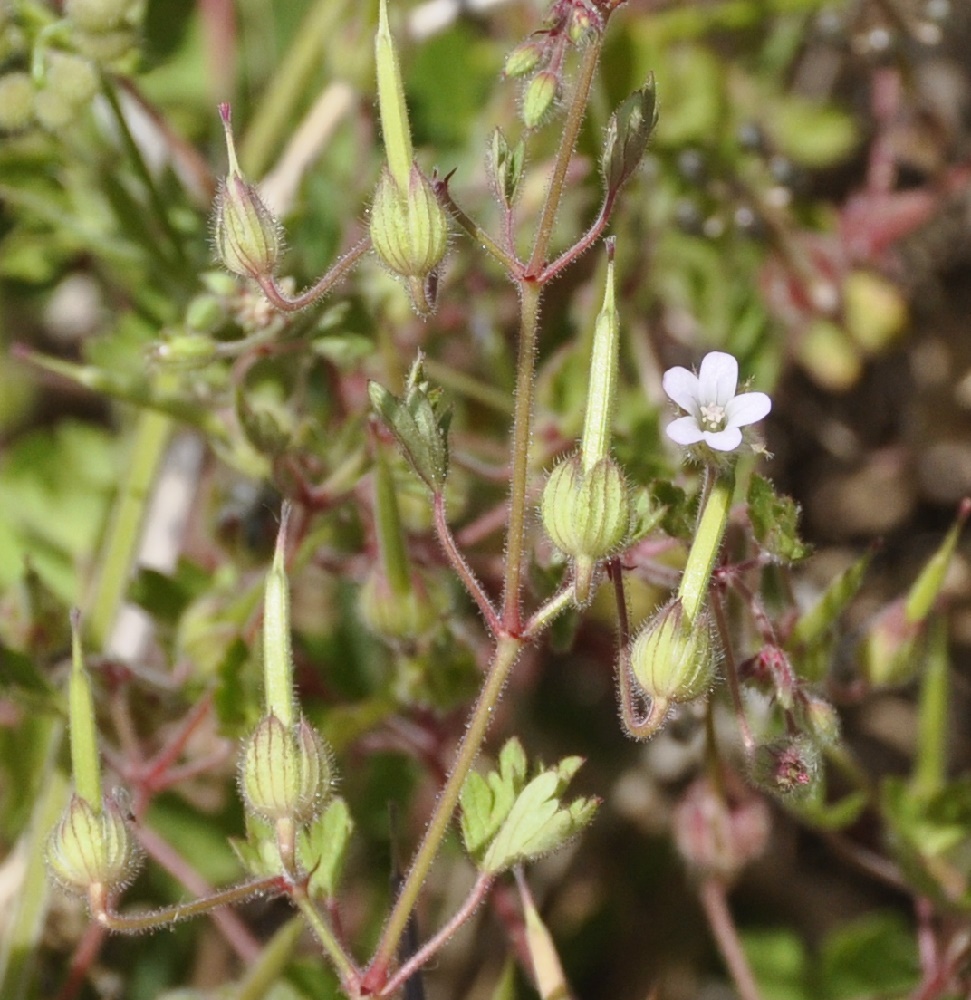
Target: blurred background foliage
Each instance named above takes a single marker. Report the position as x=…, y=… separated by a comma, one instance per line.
x=804, y=205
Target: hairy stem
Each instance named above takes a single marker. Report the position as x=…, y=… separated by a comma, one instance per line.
x=480, y=890
x=294, y=303
x=571, y=130
x=715, y=903
x=521, y=434
x=507, y=651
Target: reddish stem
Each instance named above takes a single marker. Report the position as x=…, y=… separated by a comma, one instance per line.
x=462, y=568
x=715, y=903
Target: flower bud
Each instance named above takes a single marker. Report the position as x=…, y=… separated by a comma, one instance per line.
x=523, y=59
x=787, y=767
x=539, y=98
x=583, y=26
x=718, y=838
x=92, y=848
x=628, y=132
x=409, y=231
x=97, y=15
x=285, y=773
x=673, y=658
x=820, y=719
x=245, y=233
x=16, y=101
x=506, y=165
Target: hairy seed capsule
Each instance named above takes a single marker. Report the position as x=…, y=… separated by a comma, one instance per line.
x=89, y=848
x=285, y=773
x=674, y=659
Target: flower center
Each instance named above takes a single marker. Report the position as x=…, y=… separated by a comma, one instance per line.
x=712, y=417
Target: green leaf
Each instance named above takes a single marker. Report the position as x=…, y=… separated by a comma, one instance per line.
x=775, y=521
x=925, y=589
x=778, y=961
x=322, y=847
x=816, y=623
x=870, y=957
x=811, y=134
x=19, y=677
x=485, y=802
x=538, y=821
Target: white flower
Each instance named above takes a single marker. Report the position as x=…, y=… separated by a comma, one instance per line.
x=715, y=413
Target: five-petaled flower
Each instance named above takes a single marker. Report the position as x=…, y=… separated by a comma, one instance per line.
x=715, y=414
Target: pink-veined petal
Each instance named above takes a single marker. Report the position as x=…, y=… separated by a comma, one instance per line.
x=727, y=440
x=717, y=378
x=685, y=431
x=682, y=387
x=747, y=409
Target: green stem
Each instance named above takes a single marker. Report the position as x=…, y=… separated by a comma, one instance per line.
x=328, y=941
x=155, y=199
x=147, y=449
x=24, y=917
x=491, y=247
x=272, y=118
x=294, y=303
x=571, y=131
x=707, y=542
x=391, y=543
x=930, y=767
x=264, y=973
x=136, y=923
x=521, y=434
x=85, y=760
x=507, y=651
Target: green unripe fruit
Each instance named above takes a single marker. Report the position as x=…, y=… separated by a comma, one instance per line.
x=674, y=659
x=91, y=848
x=53, y=110
x=16, y=101
x=105, y=47
x=245, y=233
x=586, y=515
x=285, y=772
x=73, y=77
x=409, y=229
x=98, y=15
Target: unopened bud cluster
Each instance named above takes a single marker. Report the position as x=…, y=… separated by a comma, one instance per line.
x=540, y=58
x=53, y=99
x=106, y=31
